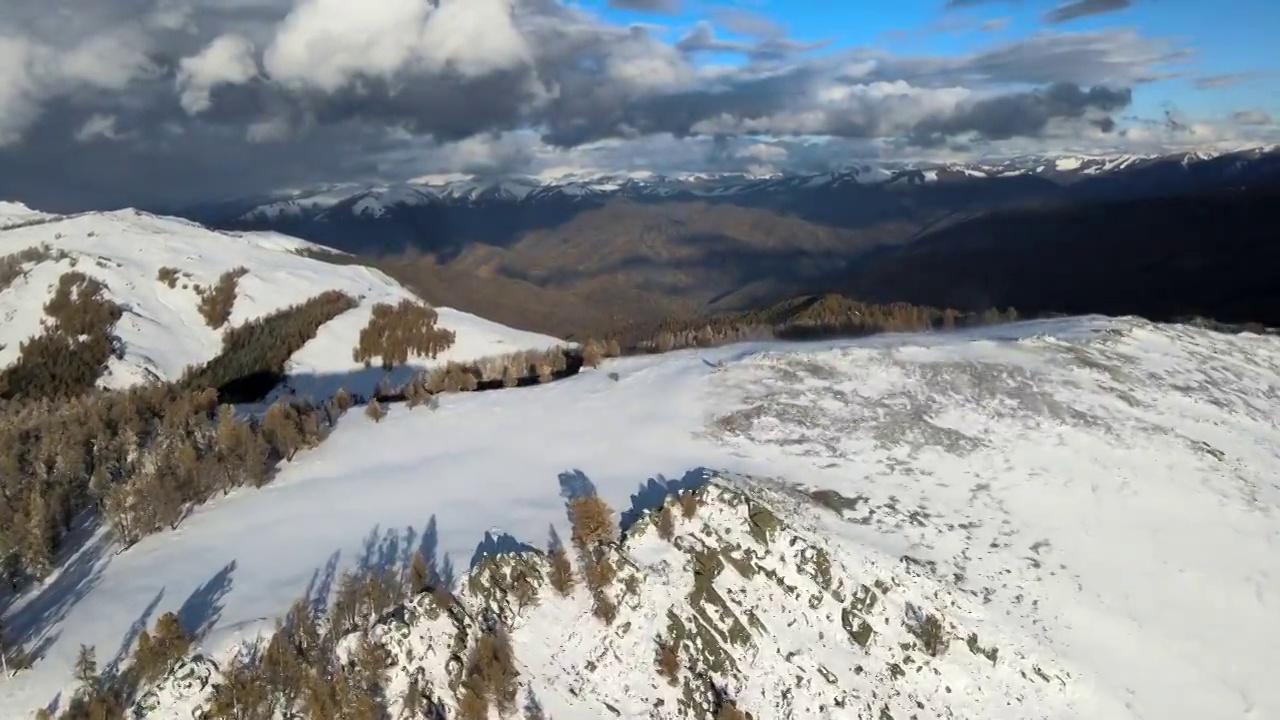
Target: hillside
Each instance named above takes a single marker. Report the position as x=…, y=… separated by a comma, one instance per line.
x=1084, y=506
x=1208, y=254
x=178, y=287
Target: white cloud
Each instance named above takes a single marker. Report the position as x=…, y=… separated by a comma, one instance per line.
x=226, y=60
x=261, y=92
x=98, y=126
x=326, y=44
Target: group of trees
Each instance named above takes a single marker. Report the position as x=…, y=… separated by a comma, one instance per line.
x=525, y=367
x=324, y=663
x=395, y=332
x=263, y=347
x=13, y=266
x=108, y=693
x=806, y=318
x=139, y=459
x=217, y=301
x=71, y=354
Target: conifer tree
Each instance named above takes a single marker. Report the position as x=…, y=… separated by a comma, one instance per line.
x=86, y=670
x=561, y=568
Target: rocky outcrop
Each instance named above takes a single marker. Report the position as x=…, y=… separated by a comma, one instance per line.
x=729, y=594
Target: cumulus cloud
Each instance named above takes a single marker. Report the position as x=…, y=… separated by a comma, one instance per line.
x=1024, y=114
x=228, y=60
x=175, y=101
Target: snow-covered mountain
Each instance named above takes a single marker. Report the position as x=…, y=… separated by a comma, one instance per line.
x=162, y=331
x=1087, y=507
x=332, y=203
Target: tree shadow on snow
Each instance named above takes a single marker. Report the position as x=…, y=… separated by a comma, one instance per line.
x=496, y=542
x=654, y=492
x=574, y=484
x=202, y=610
x=392, y=551
x=320, y=587
x=131, y=636
x=34, y=625
x=439, y=573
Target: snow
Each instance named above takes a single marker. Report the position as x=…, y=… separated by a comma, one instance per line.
x=301, y=203
x=1068, y=163
x=162, y=330
x=376, y=202
x=15, y=213
x=1105, y=488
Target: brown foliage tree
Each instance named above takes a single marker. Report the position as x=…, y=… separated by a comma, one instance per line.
x=561, y=569
x=216, y=302
x=395, y=332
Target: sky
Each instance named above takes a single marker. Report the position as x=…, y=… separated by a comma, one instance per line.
x=109, y=103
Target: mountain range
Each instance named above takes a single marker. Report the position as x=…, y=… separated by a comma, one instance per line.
x=606, y=250
x=1144, y=173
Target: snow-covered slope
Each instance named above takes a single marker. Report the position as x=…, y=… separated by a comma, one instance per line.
x=162, y=330
x=13, y=214
x=1096, y=499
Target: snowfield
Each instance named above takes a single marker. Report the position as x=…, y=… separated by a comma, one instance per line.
x=162, y=330
x=1097, y=497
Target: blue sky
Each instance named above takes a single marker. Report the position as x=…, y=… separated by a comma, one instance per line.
x=1231, y=40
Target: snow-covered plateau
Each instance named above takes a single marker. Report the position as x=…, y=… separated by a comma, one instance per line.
x=1089, y=507
x=162, y=331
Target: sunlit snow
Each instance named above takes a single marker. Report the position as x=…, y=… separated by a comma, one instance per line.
x=1106, y=489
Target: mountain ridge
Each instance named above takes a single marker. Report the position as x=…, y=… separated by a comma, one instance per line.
x=374, y=201
x=161, y=272
x=917, y=456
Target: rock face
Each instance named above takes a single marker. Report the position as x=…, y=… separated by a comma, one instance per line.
x=727, y=594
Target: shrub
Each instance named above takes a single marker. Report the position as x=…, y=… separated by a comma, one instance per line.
x=666, y=659
x=170, y=276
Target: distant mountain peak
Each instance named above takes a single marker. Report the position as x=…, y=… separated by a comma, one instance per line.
x=379, y=200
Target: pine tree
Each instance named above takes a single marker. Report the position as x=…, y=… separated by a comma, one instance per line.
x=561, y=568
x=419, y=574
x=374, y=410
x=592, y=521
x=666, y=523
x=40, y=539
x=86, y=671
